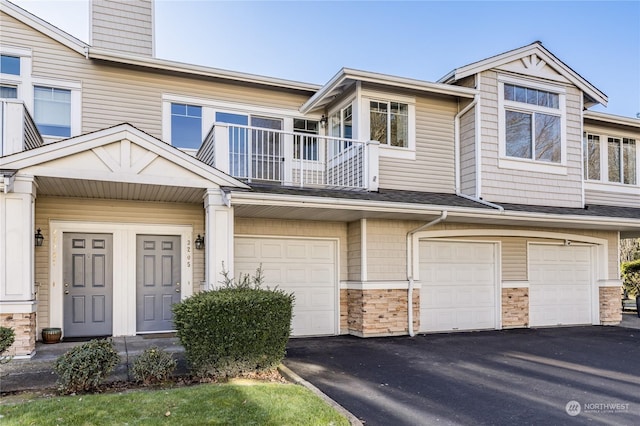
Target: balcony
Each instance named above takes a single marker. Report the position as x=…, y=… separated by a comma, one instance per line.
x=19, y=132
x=255, y=154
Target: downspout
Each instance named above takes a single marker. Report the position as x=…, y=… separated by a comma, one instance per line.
x=410, y=235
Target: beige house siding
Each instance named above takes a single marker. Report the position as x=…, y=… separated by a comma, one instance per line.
x=609, y=198
x=529, y=187
x=387, y=253
x=468, y=153
x=298, y=228
x=354, y=264
x=116, y=94
x=112, y=211
x=433, y=168
x=125, y=26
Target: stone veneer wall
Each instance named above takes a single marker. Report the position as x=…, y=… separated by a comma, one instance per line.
x=24, y=327
x=610, y=305
x=344, y=311
x=381, y=312
x=515, y=307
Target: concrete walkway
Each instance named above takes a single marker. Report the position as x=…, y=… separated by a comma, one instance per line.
x=37, y=372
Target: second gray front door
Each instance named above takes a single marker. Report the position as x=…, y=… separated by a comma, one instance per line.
x=157, y=281
x=88, y=278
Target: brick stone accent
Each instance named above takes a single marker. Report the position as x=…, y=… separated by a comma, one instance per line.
x=24, y=327
x=515, y=307
x=381, y=312
x=610, y=305
x=344, y=311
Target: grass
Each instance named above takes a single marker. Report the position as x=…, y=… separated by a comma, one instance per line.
x=253, y=403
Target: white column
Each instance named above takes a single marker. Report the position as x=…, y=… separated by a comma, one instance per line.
x=218, y=237
x=17, y=246
x=372, y=177
x=222, y=147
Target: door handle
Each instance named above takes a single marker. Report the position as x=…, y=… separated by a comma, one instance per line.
x=66, y=292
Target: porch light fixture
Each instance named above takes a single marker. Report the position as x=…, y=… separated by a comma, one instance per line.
x=323, y=121
x=199, y=242
x=39, y=238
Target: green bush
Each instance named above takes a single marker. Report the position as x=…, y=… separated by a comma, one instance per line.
x=153, y=366
x=631, y=277
x=84, y=367
x=7, y=337
x=236, y=329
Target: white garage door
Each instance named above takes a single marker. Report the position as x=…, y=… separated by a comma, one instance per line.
x=458, y=286
x=305, y=267
x=560, y=285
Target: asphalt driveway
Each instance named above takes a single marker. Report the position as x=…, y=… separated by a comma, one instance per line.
x=523, y=377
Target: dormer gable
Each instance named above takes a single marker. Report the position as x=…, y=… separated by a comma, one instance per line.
x=532, y=60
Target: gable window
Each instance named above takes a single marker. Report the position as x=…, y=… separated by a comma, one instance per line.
x=389, y=123
x=9, y=64
x=532, y=121
x=305, y=147
x=186, y=125
x=52, y=111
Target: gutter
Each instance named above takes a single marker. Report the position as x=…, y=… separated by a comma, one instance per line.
x=410, y=234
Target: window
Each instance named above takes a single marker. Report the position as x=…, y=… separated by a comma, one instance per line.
x=532, y=120
x=302, y=144
x=8, y=92
x=186, y=126
x=621, y=160
x=9, y=64
x=591, y=147
x=52, y=111
x=389, y=123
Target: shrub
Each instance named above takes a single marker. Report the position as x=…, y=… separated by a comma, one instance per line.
x=153, y=366
x=7, y=337
x=84, y=367
x=236, y=329
x=631, y=277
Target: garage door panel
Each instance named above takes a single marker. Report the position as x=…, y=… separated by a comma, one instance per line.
x=458, y=285
x=560, y=291
x=303, y=267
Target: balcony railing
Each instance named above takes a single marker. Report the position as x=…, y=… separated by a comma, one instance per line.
x=257, y=154
x=19, y=131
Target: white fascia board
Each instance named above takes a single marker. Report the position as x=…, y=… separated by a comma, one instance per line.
x=513, y=55
x=174, y=66
x=386, y=80
x=93, y=140
x=612, y=119
x=44, y=27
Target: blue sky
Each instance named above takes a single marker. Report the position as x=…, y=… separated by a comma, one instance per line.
x=310, y=41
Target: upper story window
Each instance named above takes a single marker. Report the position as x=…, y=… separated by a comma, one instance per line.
x=186, y=125
x=305, y=147
x=341, y=123
x=9, y=64
x=533, y=128
x=389, y=123
x=52, y=111
x=615, y=162
x=8, y=92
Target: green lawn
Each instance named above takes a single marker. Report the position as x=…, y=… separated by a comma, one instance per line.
x=256, y=403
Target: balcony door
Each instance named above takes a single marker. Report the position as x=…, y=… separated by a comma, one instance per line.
x=254, y=153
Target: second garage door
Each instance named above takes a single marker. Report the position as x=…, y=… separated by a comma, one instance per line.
x=306, y=267
x=458, y=282
x=560, y=285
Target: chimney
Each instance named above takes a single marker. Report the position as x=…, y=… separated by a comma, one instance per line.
x=125, y=26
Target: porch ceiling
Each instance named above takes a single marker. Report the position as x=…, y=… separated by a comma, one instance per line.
x=84, y=188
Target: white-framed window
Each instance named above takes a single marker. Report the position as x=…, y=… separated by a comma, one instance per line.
x=56, y=108
x=9, y=64
x=8, y=91
x=306, y=146
x=610, y=158
x=15, y=74
x=186, y=125
x=532, y=127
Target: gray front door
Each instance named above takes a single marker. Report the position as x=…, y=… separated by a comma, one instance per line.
x=157, y=281
x=88, y=284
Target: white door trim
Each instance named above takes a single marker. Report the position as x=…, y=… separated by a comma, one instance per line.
x=336, y=278
x=124, y=266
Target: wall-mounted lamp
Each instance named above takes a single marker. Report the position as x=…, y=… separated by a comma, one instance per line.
x=199, y=242
x=39, y=238
x=323, y=121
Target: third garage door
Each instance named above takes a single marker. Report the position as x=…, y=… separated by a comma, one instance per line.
x=458, y=286
x=306, y=267
x=560, y=285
